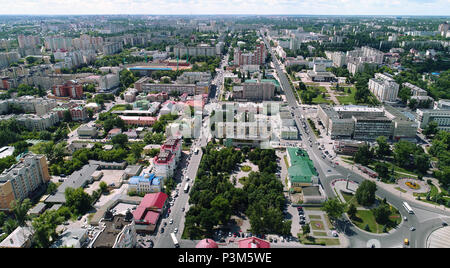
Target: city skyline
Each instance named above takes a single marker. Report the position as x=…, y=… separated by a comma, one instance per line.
x=231, y=7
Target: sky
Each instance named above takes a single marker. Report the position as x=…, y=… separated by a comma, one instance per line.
x=194, y=7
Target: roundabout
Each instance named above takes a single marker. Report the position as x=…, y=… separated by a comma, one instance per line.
x=413, y=185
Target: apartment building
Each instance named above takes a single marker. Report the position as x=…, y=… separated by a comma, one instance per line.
x=257, y=57
x=256, y=90
x=6, y=58
x=384, y=87
x=110, y=48
x=166, y=161
x=70, y=89
x=22, y=179
x=181, y=50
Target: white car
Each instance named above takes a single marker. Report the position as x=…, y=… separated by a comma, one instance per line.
x=176, y=230
x=171, y=221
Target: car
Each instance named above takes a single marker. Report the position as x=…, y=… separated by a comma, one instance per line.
x=329, y=170
x=182, y=209
x=229, y=234
x=175, y=230
x=171, y=221
x=405, y=218
x=444, y=223
x=275, y=240
x=162, y=230
x=412, y=229
x=165, y=224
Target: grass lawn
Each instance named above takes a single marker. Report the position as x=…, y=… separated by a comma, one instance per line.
x=320, y=233
x=313, y=208
x=246, y=168
x=309, y=240
x=119, y=107
x=350, y=199
x=315, y=217
x=243, y=180
x=349, y=98
x=317, y=225
x=366, y=217
x=400, y=189
x=286, y=161
x=320, y=99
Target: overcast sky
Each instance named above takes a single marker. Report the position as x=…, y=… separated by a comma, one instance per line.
x=302, y=7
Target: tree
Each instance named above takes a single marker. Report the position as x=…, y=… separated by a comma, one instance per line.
x=365, y=194
x=136, y=149
x=351, y=211
x=334, y=208
x=382, y=169
x=120, y=139
x=44, y=228
x=364, y=155
x=51, y=188
x=382, y=213
x=67, y=116
x=306, y=229
x=20, y=209
x=383, y=149
x=77, y=200
x=431, y=129
x=103, y=187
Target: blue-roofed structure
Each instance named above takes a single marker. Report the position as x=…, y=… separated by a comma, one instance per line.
x=146, y=183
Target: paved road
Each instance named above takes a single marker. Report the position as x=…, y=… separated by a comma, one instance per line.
x=163, y=240
x=425, y=219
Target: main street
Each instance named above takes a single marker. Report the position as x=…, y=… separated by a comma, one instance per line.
x=425, y=219
x=163, y=240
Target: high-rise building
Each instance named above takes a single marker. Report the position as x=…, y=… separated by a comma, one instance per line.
x=257, y=57
x=22, y=179
x=71, y=89
x=384, y=87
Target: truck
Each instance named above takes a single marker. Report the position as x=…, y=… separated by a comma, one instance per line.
x=186, y=188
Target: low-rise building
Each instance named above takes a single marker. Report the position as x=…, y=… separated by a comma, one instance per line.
x=147, y=214
x=147, y=183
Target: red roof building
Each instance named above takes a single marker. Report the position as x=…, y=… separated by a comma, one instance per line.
x=253, y=242
x=207, y=243
x=147, y=214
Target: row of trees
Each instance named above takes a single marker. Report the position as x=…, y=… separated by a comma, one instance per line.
x=405, y=154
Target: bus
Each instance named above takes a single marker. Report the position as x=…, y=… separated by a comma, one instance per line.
x=408, y=208
x=186, y=188
x=174, y=239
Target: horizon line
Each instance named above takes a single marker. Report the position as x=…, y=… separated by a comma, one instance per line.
x=218, y=14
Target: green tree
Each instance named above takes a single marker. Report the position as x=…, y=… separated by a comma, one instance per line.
x=334, y=208
x=431, y=129
x=120, y=139
x=306, y=229
x=44, y=228
x=103, y=187
x=136, y=149
x=67, y=116
x=382, y=169
x=77, y=200
x=20, y=209
x=382, y=213
x=364, y=155
x=383, y=149
x=365, y=194
x=351, y=211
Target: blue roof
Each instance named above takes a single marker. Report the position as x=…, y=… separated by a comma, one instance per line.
x=145, y=178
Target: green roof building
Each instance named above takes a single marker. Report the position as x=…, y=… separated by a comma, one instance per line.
x=302, y=170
